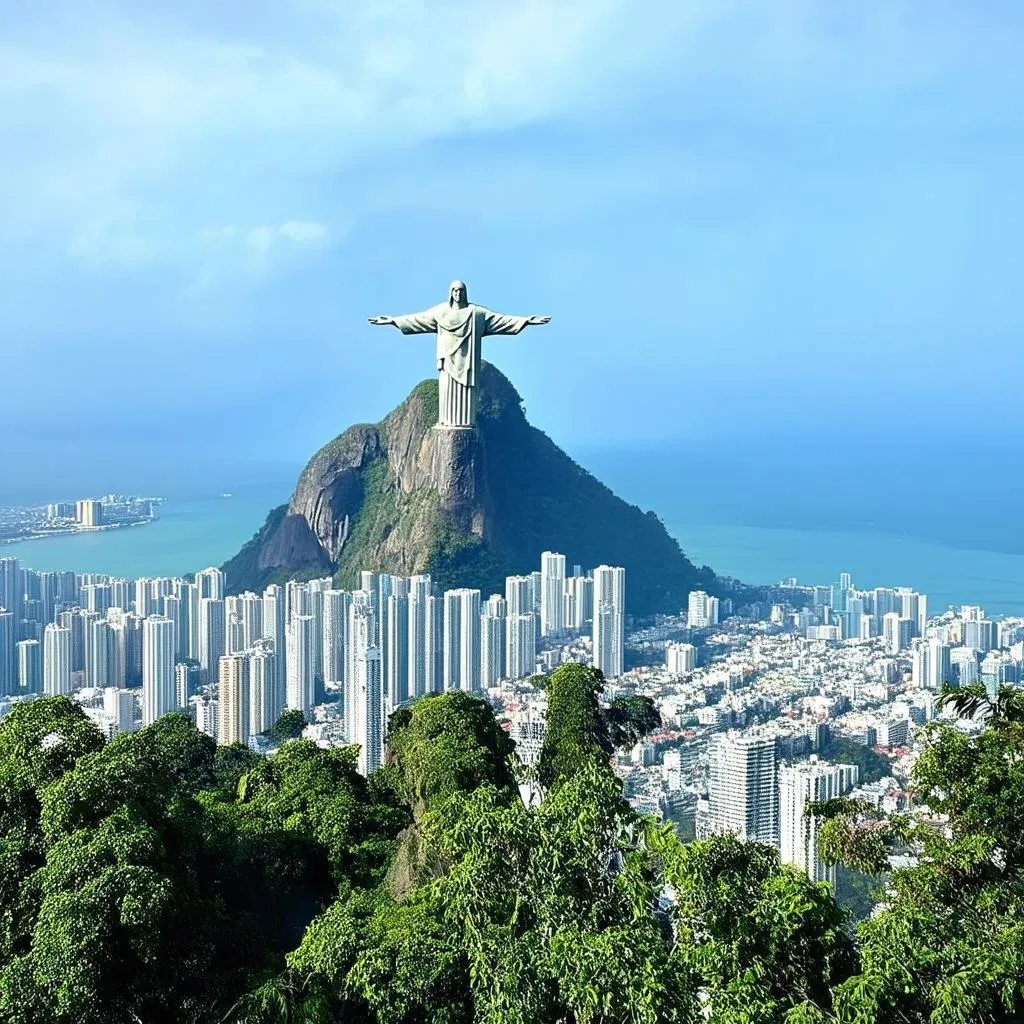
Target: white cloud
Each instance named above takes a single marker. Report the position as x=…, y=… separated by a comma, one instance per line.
x=124, y=142
x=126, y=139
x=304, y=232
x=224, y=251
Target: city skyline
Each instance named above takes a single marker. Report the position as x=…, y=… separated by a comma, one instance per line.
x=234, y=661
x=751, y=701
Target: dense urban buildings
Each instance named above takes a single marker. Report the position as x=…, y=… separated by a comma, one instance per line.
x=763, y=707
x=134, y=650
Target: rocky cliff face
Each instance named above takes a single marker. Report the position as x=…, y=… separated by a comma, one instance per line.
x=467, y=506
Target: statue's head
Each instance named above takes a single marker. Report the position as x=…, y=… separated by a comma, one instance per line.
x=457, y=294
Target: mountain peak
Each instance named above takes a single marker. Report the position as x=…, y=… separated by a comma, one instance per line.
x=469, y=506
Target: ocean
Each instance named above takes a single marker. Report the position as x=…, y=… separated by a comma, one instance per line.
x=743, y=518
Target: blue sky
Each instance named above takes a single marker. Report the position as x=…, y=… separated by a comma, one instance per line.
x=749, y=219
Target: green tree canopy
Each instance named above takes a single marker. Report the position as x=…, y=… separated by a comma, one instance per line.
x=447, y=743
x=576, y=732
x=158, y=879
x=872, y=765
x=954, y=907
x=630, y=719
x=289, y=726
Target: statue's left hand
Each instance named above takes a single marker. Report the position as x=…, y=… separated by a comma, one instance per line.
x=538, y=321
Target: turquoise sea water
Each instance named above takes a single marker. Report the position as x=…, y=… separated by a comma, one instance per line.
x=188, y=535
x=948, y=575
x=758, y=534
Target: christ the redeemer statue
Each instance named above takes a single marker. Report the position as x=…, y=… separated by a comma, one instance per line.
x=460, y=326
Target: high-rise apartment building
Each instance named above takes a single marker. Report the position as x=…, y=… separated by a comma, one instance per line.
x=800, y=785
x=395, y=665
x=98, y=597
x=143, y=601
x=940, y=667
x=579, y=601
x=897, y=631
x=462, y=640
x=266, y=689
x=273, y=624
x=56, y=660
x=296, y=599
x=680, y=659
x=492, y=641
x=210, y=583
x=159, y=696
x=519, y=595
x=97, y=653
x=609, y=619
x=206, y=715
x=434, y=644
x=913, y=606
x=233, y=699
x=421, y=636
x=250, y=610
x=521, y=645
x=365, y=720
x=49, y=590
x=10, y=586
x=234, y=631
x=979, y=634
x=743, y=787
x=188, y=646
x=536, y=585
x=212, y=634
x=117, y=663
x=175, y=608
x=30, y=667
x=362, y=629
x=8, y=653
x=552, y=593
x=964, y=666
x=317, y=589
x=701, y=610
x=300, y=663
x=121, y=710
x=335, y=627
x=186, y=680
x=89, y=513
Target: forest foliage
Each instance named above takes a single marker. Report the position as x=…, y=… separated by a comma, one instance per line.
x=156, y=878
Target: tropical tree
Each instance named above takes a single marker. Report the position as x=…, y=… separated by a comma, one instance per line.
x=765, y=943
x=447, y=743
x=576, y=731
x=947, y=944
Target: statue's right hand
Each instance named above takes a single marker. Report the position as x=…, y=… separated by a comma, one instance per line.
x=381, y=321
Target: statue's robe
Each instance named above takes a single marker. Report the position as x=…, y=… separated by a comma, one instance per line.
x=460, y=332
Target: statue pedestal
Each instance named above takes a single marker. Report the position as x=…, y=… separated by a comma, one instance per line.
x=457, y=469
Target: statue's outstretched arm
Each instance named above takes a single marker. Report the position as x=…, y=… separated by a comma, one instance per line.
x=505, y=323
x=410, y=323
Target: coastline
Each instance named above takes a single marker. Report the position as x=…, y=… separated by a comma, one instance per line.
x=54, y=534
x=191, y=533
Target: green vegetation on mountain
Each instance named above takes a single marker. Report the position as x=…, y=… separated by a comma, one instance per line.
x=157, y=879
x=400, y=497
x=842, y=750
